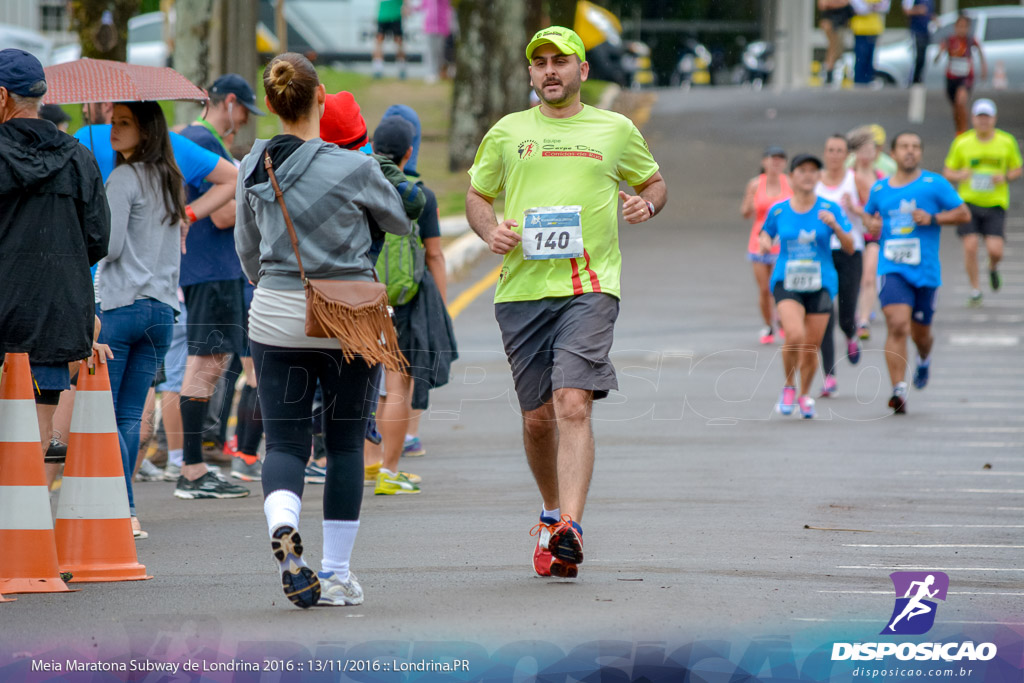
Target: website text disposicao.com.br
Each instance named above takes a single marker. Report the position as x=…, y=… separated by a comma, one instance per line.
x=901, y=673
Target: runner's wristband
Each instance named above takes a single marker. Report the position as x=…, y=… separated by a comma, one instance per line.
x=650, y=207
x=190, y=213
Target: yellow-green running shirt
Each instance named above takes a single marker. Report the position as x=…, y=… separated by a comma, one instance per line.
x=540, y=161
x=985, y=159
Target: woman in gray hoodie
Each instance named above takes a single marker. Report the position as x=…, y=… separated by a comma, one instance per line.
x=332, y=195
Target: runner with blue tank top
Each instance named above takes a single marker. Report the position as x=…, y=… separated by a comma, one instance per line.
x=804, y=280
x=908, y=210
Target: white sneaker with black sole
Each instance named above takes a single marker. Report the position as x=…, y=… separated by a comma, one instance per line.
x=334, y=591
x=209, y=486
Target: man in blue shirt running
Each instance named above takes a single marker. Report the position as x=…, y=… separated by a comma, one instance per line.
x=908, y=210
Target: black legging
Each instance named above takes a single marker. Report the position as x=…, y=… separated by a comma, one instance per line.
x=287, y=381
x=849, y=267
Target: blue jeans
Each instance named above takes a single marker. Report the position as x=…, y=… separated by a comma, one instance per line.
x=864, y=58
x=139, y=336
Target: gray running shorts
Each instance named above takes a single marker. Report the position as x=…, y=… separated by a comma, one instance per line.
x=559, y=343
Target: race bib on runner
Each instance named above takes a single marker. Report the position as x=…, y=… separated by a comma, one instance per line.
x=553, y=232
x=982, y=182
x=959, y=66
x=905, y=251
x=802, y=276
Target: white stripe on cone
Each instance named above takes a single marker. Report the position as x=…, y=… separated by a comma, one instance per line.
x=18, y=421
x=25, y=508
x=93, y=498
x=93, y=413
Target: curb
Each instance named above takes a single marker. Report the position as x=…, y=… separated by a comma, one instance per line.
x=464, y=251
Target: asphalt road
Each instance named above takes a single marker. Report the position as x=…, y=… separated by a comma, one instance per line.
x=709, y=515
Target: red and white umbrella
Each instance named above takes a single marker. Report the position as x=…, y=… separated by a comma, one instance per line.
x=101, y=80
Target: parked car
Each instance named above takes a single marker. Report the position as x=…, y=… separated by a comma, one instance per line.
x=25, y=39
x=999, y=29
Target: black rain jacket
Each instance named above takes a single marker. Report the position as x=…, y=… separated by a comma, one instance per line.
x=54, y=225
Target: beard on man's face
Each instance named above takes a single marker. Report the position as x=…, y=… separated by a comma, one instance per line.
x=569, y=90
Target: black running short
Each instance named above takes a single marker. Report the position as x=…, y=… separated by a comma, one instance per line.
x=988, y=221
x=953, y=84
x=838, y=17
x=216, y=317
x=390, y=29
x=559, y=343
x=819, y=301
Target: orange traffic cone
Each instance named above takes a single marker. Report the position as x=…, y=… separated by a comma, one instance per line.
x=28, y=561
x=999, y=79
x=94, y=526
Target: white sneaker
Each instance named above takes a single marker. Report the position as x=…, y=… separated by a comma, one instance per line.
x=334, y=591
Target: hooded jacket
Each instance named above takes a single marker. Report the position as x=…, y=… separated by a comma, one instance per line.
x=330, y=193
x=54, y=225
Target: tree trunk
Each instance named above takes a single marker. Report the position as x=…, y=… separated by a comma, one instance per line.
x=491, y=79
x=101, y=41
x=194, y=27
x=237, y=54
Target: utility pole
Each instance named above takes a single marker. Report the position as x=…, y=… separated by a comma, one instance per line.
x=280, y=26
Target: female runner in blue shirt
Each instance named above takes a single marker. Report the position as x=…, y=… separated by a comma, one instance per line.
x=804, y=280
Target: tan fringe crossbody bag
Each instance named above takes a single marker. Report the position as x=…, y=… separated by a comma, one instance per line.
x=354, y=312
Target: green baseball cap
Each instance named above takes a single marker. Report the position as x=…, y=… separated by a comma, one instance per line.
x=563, y=38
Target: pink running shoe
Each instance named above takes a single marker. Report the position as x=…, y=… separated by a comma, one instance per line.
x=829, y=387
x=806, y=407
x=787, y=400
x=767, y=335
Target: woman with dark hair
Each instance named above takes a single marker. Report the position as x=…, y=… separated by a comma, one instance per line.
x=137, y=282
x=331, y=194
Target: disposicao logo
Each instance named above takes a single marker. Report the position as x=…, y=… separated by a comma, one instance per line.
x=914, y=615
x=914, y=612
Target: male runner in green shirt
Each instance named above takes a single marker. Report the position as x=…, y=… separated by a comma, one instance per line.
x=983, y=161
x=560, y=165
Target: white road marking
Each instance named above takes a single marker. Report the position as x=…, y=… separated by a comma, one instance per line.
x=918, y=568
x=984, y=340
x=929, y=545
x=972, y=430
x=968, y=473
x=952, y=525
x=944, y=621
x=1012, y=491
x=889, y=593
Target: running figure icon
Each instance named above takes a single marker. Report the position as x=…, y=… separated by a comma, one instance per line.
x=917, y=595
x=915, y=607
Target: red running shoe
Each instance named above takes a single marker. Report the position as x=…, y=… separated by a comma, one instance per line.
x=541, y=555
x=566, y=546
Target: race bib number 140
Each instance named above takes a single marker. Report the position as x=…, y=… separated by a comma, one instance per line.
x=553, y=232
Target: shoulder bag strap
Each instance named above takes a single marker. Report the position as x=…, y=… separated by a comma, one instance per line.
x=284, y=209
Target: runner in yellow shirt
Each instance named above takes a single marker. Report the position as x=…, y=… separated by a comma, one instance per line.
x=560, y=165
x=983, y=161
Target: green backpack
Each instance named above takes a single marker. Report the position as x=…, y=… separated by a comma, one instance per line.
x=400, y=265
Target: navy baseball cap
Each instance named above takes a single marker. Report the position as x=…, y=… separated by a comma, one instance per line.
x=801, y=159
x=233, y=83
x=393, y=137
x=21, y=73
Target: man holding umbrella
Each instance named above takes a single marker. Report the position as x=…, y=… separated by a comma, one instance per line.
x=54, y=224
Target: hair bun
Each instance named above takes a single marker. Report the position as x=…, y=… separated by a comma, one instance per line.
x=282, y=74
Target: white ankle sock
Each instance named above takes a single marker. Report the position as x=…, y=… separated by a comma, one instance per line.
x=551, y=514
x=176, y=457
x=339, y=537
x=282, y=509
